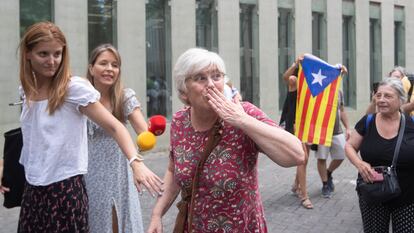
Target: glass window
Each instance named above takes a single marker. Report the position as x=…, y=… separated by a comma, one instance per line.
x=206, y=25
x=34, y=11
x=319, y=29
x=101, y=23
x=348, y=52
x=249, y=51
x=286, y=33
x=158, y=43
x=319, y=35
x=375, y=43
x=399, y=36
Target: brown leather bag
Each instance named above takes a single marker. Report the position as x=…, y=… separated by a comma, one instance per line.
x=187, y=194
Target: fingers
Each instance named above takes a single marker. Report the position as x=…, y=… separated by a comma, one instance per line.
x=138, y=186
x=151, y=182
x=153, y=186
x=4, y=189
x=366, y=172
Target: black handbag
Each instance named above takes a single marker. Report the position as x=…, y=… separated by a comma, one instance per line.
x=388, y=188
x=13, y=171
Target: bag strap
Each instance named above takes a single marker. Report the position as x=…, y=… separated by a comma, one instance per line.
x=214, y=138
x=367, y=121
x=399, y=140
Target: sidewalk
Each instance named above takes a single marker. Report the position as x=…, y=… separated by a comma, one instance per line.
x=283, y=211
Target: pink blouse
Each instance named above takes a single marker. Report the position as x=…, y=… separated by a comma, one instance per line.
x=228, y=198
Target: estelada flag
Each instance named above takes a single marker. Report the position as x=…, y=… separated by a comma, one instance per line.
x=317, y=100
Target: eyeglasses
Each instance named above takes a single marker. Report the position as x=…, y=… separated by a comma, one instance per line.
x=203, y=78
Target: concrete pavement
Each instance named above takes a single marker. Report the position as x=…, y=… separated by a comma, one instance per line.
x=284, y=214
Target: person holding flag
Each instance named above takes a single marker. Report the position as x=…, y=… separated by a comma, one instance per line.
x=336, y=150
x=287, y=119
x=317, y=114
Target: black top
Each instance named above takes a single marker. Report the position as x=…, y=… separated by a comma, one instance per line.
x=379, y=151
x=289, y=111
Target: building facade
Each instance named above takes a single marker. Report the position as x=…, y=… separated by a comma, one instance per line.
x=258, y=40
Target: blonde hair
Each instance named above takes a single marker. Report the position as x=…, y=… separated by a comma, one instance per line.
x=44, y=32
x=116, y=92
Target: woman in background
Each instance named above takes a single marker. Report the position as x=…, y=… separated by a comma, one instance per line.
x=376, y=141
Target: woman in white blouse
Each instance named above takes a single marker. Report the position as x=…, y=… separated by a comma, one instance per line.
x=54, y=154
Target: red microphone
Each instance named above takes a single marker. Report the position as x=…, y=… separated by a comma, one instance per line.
x=156, y=124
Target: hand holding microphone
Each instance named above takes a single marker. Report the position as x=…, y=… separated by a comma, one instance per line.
x=156, y=126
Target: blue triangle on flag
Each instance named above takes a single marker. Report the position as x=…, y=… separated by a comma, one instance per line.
x=318, y=73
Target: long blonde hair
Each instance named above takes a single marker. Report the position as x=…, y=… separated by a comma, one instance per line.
x=116, y=92
x=44, y=32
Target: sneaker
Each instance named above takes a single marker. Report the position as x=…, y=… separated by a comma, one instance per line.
x=326, y=192
x=331, y=185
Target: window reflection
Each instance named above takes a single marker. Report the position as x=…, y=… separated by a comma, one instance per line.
x=319, y=39
x=399, y=36
x=206, y=25
x=34, y=11
x=375, y=43
x=249, y=52
x=348, y=52
x=158, y=45
x=286, y=48
x=101, y=23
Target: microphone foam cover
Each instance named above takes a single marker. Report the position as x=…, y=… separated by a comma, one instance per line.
x=146, y=141
x=156, y=124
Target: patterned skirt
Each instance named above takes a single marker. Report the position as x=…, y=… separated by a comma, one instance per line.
x=58, y=207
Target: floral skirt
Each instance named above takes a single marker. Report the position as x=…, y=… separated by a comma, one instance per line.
x=58, y=207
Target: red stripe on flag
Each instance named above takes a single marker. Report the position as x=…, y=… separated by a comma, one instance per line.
x=314, y=117
x=301, y=79
x=305, y=109
x=328, y=111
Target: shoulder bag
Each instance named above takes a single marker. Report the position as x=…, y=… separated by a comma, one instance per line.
x=187, y=202
x=13, y=171
x=388, y=188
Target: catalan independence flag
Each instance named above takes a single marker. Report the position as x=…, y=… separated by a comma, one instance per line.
x=317, y=100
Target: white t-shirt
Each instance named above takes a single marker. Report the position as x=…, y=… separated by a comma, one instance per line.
x=55, y=147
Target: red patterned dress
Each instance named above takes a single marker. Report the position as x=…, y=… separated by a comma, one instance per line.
x=228, y=198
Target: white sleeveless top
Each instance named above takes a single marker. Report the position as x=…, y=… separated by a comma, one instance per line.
x=55, y=147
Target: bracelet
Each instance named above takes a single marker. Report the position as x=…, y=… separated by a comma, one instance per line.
x=137, y=157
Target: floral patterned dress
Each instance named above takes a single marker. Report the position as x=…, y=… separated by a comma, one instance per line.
x=109, y=181
x=227, y=199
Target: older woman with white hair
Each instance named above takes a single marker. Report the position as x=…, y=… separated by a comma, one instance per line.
x=376, y=139
x=214, y=149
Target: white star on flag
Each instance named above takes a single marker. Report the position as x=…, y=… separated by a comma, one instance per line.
x=317, y=78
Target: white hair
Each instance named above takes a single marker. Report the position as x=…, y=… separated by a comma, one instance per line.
x=397, y=85
x=191, y=62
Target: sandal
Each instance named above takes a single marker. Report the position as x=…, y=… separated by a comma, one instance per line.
x=306, y=203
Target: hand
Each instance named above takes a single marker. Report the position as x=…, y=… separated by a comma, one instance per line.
x=366, y=171
x=347, y=133
x=144, y=176
x=155, y=225
x=299, y=59
x=231, y=112
x=2, y=188
x=344, y=70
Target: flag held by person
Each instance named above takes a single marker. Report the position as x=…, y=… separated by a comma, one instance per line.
x=317, y=100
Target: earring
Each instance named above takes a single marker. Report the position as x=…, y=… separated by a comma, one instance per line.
x=34, y=78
